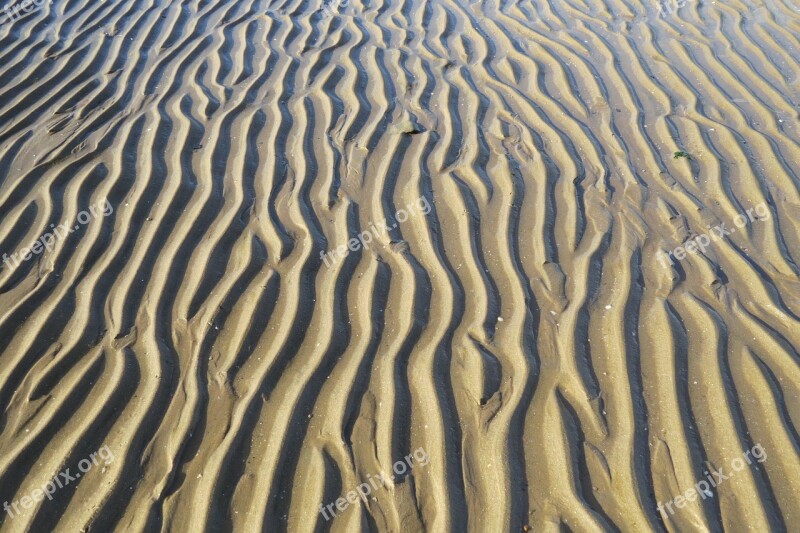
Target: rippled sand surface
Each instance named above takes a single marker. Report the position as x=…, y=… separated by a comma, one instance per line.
x=572, y=296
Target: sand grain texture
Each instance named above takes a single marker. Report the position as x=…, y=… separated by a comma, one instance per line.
x=523, y=333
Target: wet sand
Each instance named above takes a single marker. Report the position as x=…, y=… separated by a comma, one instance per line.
x=255, y=330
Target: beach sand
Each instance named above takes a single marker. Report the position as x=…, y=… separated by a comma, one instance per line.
x=541, y=255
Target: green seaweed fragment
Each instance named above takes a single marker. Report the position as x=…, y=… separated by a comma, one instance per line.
x=687, y=155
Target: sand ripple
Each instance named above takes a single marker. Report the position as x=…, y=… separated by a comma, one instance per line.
x=524, y=332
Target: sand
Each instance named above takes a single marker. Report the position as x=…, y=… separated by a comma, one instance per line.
x=270, y=317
